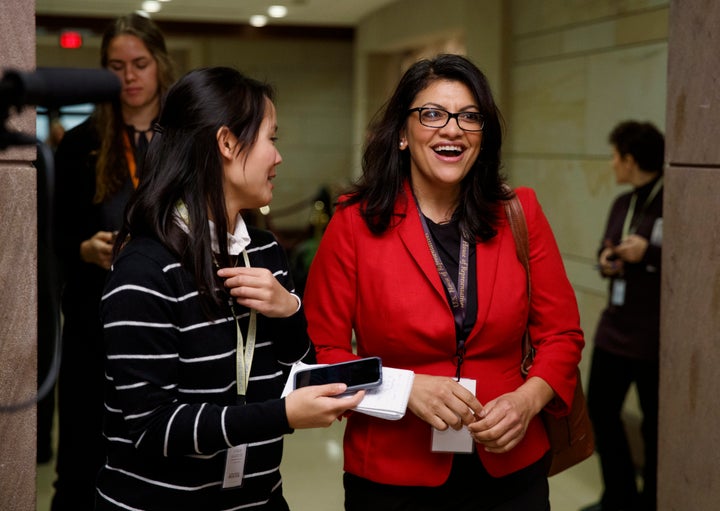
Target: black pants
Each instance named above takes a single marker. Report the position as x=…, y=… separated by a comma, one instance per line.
x=81, y=448
x=469, y=488
x=610, y=380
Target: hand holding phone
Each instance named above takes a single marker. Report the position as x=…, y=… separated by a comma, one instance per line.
x=365, y=373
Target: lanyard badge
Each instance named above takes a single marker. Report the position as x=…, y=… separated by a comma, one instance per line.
x=458, y=296
x=236, y=455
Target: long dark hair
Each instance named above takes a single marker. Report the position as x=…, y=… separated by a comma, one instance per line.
x=386, y=167
x=183, y=163
x=111, y=165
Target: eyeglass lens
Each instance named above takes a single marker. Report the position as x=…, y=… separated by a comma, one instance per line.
x=437, y=118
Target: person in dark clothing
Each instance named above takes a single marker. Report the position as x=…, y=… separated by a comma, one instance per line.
x=627, y=336
x=201, y=320
x=98, y=164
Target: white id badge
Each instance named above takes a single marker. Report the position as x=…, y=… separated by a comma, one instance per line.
x=657, y=233
x=617, y=296
x=235, y=466
x=451, y=440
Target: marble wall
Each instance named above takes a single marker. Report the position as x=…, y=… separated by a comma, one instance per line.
x=18, y=299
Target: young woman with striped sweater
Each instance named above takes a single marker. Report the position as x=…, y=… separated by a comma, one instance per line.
x=201, y=323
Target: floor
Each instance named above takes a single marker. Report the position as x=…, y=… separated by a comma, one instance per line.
x=314, y=457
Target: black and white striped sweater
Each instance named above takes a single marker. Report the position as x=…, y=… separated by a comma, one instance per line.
x=171, y=402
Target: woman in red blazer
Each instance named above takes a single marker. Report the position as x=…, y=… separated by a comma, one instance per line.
x=420, y=264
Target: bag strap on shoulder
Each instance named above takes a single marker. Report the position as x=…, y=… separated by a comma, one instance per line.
x=518, y=226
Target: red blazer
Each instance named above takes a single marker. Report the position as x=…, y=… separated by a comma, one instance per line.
x=388, y=290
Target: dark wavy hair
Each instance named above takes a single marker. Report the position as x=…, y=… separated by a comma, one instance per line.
x=385, y=167
x=643, y=141
x=183, y=163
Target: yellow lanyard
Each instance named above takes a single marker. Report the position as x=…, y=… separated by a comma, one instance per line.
x=244, y=354
x=631, y=209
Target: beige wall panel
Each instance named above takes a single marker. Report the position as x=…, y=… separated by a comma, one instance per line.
x=569, y=106
x=536, y=16
x=645, y=27
x=693, y=86
x=548, y=114
x=584, y=187
x=313, y=81
x=603, y=34
x=625, y=84
x=591, y=305
x=407, y=24
x=689, y=355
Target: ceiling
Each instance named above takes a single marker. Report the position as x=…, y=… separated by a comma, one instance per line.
x=340, y=13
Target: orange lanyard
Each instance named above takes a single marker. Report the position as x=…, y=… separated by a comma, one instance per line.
x=130, y=158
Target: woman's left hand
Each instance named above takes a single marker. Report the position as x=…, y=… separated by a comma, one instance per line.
x=502, y=423
x=257, y=288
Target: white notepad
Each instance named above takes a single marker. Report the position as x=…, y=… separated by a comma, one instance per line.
x=388, y=401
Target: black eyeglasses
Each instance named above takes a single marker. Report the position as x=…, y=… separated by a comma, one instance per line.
x=438, y=118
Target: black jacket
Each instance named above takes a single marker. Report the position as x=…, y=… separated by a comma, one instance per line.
x=633, y=329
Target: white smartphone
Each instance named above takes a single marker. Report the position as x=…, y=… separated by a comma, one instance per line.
x=365, y=373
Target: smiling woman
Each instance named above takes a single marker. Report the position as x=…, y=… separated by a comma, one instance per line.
x=247, y=179
x=420, y=243
x=441, y=152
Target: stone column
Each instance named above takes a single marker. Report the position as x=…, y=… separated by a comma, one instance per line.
x=18, y=296
x=690, y=328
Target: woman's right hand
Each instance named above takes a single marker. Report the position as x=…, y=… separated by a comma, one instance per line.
x=98, y=249
x=318, y=406
x=442, y=402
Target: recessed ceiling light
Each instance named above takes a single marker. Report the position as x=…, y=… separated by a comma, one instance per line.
x=151, y=6
x=277, y=11
x=258, y=20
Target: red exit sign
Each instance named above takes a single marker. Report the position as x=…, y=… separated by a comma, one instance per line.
x=70, y=39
